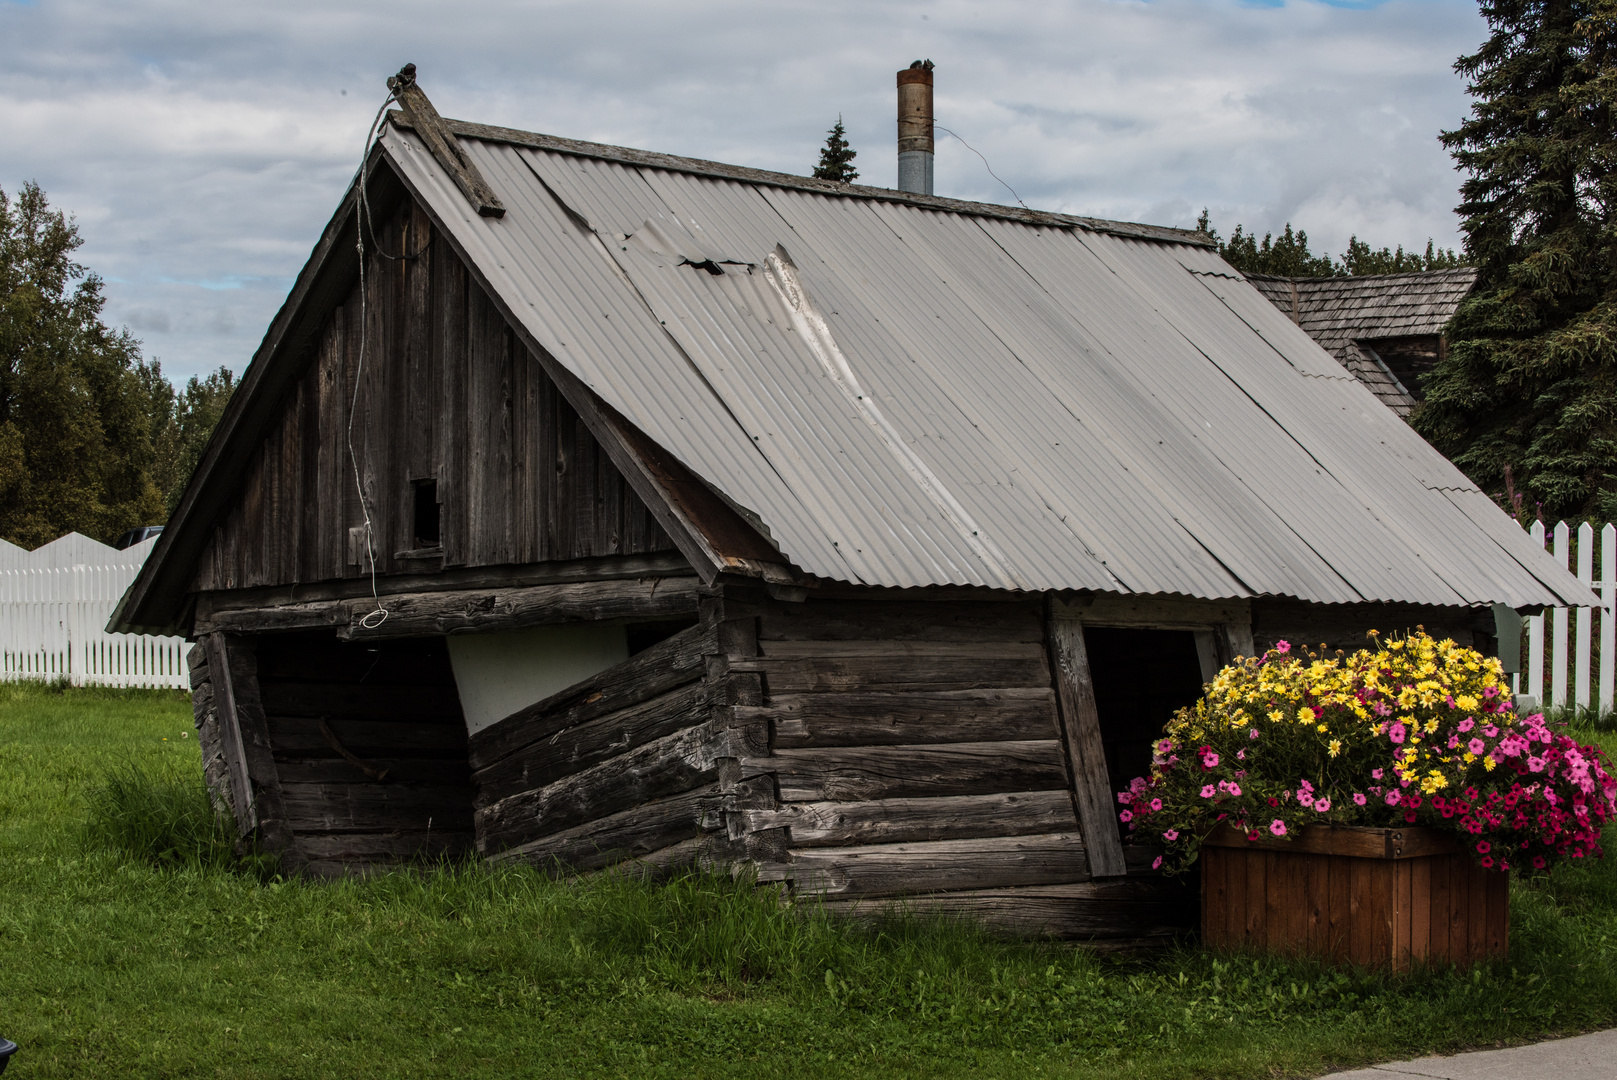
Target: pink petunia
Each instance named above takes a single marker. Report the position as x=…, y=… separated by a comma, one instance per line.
x=1240, y=755
x=1282, y=647
x=1359, y=799
x=1375, y=774
x=1156, y=804
x=1466, y=725
x=1397, y=732
x=1171, y=835
x=1158, y=864
x=1483, y=847
x=1125, y=816
x=1393, y=798
x=1209, y=791
x=1277, y=827
x=1476, y=746
x=1233, y=788
x=1209, y=760
x=1322, y=805
x=1253, y=734
x=1535, y=764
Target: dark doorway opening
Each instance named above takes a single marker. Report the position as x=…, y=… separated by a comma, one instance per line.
x=1142, y=677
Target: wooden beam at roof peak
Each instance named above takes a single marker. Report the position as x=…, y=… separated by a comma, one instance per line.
x=443, y=143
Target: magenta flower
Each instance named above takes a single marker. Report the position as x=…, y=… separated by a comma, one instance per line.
x=1156, y=804
x=1158, y=864
x=1393, y=797
x=1277, y=827
x=1210, y=760
x=1535, y=764
x=1253, y=734
x=1483, y=847
x=1282, y=647
x=1322, y=805
x=1171, y=835
x=1397, y=732
x=1208, y=791
x=1467, y=724
x=1359, y=799
x=1375, y=774
x=1476, y=746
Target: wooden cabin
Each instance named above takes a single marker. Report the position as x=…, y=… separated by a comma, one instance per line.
x=1387, y=329
x=631, y=508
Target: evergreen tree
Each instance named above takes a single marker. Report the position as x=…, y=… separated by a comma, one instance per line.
x=1287, y=255
x=836, y=157
x=182, y=423
x=75, y=430
x=1529, y=385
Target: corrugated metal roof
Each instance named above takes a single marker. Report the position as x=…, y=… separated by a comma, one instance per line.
x=910, y=395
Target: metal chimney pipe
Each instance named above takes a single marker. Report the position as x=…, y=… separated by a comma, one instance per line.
x=915, y=128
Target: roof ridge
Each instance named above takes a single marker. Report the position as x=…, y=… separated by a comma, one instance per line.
x=721, y=170
x=1306, y=280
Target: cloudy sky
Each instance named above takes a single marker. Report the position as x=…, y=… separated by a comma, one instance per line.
x=203, y=145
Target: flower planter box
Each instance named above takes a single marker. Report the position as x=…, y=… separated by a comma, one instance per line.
x=1374, y=897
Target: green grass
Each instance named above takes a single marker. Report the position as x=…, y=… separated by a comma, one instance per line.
x=130, y=947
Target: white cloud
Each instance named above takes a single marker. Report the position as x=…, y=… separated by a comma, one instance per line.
x=203, y=145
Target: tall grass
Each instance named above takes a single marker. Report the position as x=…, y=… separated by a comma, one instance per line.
x=159, y=814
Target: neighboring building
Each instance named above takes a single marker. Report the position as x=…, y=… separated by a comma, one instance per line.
x=720, y=516
x=1385, y=328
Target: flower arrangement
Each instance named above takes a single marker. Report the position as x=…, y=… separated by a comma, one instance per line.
x=1410, y=731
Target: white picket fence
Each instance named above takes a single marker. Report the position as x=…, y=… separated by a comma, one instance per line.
x=1569, y=640
x=53, y=619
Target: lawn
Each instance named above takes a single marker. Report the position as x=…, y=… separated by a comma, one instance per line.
x=124, y=957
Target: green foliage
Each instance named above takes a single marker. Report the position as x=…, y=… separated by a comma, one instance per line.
x=93, y=438
x=116, y=965
x=75, y=440
x=159, y=815
x=1530, y=380
x=836, y=157
x=182, y=423
x=1287, y=255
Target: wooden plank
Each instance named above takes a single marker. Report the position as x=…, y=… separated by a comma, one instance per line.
x=300, y=736
x=670, y=663
x=856, y=774
x=377, y=807
x=230, y=735
x=1294, y=886
x=877, y=671
x=874, y=870
x=400, y=770
x=1402, y=899
x=1235, y=913
x=583, y=745
x=667, y=766
x=1152, y=612
x=1120, y=909
x=1317, y=899
x=1477, y=922
x=415, y=704
x=443, y=143
x=1498, y=913
x=1441, y=950
x=1215, y=897
x=1255, y=928
x=891, y=821
x=1086, y=757
x=909, y=620
x=904, y=652
x=1460, y=909
x=887, y=719
x=1420, y=909
x=397, y=845
x=470, y=611
x=1362, y=842
x=1341, y=892
x=635, y=833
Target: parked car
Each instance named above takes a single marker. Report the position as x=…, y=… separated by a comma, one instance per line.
x=134, y=536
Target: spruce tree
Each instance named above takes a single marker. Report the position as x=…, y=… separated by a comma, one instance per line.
x=1530, y=381
x=836, y=157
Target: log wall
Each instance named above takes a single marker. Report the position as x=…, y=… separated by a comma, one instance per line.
x=860, y=751
x=446, y=393
x=369, y=749
x=1344, y=626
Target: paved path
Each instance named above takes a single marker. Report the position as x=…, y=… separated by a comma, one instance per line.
x=1584, y=1057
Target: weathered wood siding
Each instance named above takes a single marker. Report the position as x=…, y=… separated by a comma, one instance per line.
x=391, y=705
x=862, y=751
x=446, y=393
x=632, y=764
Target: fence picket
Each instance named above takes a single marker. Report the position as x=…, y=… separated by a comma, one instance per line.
x=52, y=621
x=1562, y=551
x=1535, y=634
x=1580, y=669
x=1608, y=617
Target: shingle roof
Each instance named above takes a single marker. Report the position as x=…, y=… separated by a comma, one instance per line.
x=1341, y=312
x=910, y=392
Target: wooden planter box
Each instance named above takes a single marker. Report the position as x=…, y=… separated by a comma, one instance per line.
x=1375, y=897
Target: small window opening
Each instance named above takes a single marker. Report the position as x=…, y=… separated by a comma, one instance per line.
x=426, y=514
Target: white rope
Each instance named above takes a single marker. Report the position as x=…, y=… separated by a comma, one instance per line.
x=362, y=222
